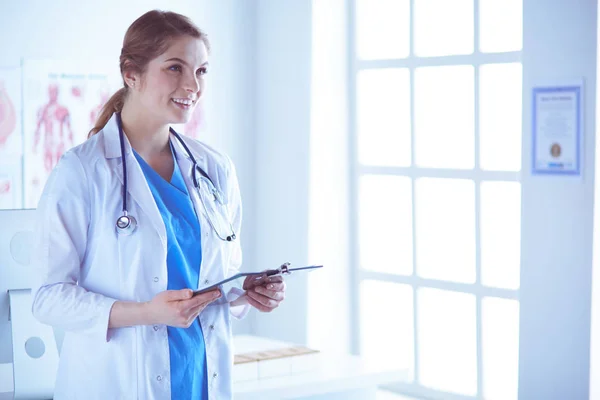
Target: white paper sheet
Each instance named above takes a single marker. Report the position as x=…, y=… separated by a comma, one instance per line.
x=557, y=130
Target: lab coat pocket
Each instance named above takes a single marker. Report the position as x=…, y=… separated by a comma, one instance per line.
x=90, y=369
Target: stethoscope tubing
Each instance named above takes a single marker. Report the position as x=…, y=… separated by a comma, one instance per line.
x=126, y=223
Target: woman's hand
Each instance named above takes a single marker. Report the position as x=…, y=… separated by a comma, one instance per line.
x=268, y=295
x=178, y=308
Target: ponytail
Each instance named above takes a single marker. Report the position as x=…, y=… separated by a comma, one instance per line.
x=113, y=105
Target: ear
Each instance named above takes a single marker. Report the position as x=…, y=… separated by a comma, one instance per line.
x=131, y=78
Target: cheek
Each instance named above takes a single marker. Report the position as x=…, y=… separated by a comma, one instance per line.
x=161, y=86
x=166, y=80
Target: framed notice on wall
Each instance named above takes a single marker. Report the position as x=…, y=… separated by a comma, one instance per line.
x=557, y=130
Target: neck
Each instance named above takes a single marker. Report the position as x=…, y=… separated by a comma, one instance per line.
x=145, y=135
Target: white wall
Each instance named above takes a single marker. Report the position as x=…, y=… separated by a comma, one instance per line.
x=71, y=29
x=302, y=176
x=559, y=43
x=329, y=319
x=283, y=51
x=301, y=170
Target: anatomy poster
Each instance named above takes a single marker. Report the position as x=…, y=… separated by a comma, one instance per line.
x=11, y=178
x=61, y=102
x=10, y=112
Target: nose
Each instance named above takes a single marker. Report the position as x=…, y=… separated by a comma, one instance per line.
x=192, y=84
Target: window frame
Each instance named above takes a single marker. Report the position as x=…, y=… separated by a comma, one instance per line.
x=477, y=175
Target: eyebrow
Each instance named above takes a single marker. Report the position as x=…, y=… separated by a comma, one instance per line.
x=205, y=63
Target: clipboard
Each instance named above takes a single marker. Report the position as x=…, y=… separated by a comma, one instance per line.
x=260, y=277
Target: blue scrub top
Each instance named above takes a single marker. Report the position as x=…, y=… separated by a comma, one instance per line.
x=186, y=346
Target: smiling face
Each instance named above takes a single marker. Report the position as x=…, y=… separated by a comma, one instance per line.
x=174, y=81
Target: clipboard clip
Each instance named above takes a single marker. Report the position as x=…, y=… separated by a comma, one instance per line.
x=284, y=269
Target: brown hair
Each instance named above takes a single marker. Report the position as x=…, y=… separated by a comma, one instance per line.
x=148, y=37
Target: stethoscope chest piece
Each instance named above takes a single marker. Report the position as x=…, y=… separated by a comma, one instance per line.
x=126, y=225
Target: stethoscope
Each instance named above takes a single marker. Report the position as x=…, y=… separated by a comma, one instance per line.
x=126, y=224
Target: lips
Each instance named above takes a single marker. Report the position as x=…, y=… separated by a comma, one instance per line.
x=185, y=102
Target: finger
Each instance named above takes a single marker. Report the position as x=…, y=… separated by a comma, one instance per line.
x=191, y=319
x=275, y=278
x=276, y=287
x=194, y=312
x=271, y=294
x=189, y=312
x=262, y=281
x=182, y=294
x=258, y=305
x=252, y=281
x=264, y=300
x=199, y=307
x=197, y=300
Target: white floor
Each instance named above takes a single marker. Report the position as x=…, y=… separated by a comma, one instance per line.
x=385, y=395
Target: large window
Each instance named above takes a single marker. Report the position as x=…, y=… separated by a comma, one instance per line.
x=436, y=156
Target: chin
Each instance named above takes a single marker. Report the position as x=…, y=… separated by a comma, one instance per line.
x=181, y=117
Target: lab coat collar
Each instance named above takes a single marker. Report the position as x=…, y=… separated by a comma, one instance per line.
x=112, y=143
x=180, y=150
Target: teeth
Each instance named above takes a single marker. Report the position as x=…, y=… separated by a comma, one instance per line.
x=184, y=102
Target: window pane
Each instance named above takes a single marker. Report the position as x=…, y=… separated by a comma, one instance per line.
x=500, y=122
x=500, y=25
x=383, y=107
x=386, y=333
x=501, y=234
x=500, y=345
x=443, y=27
x=444, y=117
x=447, y=341
x=445, y=229
x=385, y=224
x=382, y=29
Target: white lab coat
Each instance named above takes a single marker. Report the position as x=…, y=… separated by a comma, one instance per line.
x=85, y=266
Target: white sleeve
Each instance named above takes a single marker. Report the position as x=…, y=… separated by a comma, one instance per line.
x=62, y=221
x=235, y=261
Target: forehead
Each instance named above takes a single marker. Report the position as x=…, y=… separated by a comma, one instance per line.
x=191, y=50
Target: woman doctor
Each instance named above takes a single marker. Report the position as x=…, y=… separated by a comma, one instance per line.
x=122, y=291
